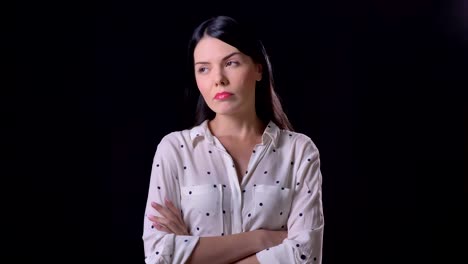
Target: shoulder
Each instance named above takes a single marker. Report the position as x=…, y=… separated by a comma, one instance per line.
x=183, y=139
x=175, y=139
x=299, y=140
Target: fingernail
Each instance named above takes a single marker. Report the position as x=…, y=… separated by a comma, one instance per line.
x=168, y=201
x=155, y=204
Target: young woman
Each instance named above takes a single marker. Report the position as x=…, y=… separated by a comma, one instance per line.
x=240, y=186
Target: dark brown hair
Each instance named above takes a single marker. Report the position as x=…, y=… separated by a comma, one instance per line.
x=267, y=103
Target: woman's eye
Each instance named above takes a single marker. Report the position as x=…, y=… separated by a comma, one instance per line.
x=232, y=63
x=202, y=69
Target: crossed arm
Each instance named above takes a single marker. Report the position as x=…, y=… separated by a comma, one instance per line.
x=217, y=249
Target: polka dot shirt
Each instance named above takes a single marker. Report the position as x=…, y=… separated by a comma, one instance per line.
x=280, y=190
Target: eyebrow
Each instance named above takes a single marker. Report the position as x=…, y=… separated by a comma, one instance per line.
x=226, y=57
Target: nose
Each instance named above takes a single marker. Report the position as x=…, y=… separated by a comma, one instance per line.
x=220, y=79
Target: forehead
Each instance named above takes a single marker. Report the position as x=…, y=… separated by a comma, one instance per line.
x=209, y=48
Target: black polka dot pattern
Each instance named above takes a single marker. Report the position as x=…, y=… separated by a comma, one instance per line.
x=274, y=172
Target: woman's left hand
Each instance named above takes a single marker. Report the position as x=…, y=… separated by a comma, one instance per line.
x=171, y=222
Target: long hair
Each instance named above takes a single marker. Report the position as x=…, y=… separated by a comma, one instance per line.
x=267, y=103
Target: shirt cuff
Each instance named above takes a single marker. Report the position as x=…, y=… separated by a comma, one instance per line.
x=279, y=254
x=174, y=249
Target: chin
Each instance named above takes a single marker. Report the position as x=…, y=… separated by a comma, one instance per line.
x=225, y=111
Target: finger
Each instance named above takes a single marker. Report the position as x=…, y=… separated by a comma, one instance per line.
x=173, y=209
x=175, y=227
x=161, y=224
x=153, y=219
x=174, y=219
x=171, y=221
x=164, y=211
x=163, y=228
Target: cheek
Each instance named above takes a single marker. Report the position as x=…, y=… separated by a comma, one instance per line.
x=247, y=81
x=202, y=86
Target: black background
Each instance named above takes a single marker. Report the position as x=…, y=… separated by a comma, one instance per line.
x=377, y=85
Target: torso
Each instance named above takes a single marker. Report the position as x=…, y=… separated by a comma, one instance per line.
x=240, y=153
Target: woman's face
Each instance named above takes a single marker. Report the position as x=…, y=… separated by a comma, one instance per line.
x=225, y=77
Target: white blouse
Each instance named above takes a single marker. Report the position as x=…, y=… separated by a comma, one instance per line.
x=281, y=190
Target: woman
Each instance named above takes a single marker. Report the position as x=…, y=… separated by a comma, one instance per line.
x=239, y=186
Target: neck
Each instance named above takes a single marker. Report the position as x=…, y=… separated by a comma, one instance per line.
x=223, y=126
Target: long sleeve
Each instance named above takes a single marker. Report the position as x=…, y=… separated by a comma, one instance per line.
x=305, y=222
x=161, y=247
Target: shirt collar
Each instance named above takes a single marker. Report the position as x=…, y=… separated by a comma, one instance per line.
x=271, y=132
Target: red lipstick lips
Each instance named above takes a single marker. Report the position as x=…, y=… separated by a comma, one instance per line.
x=222, y=95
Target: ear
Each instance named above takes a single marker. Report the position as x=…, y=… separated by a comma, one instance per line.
x=259, y=72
